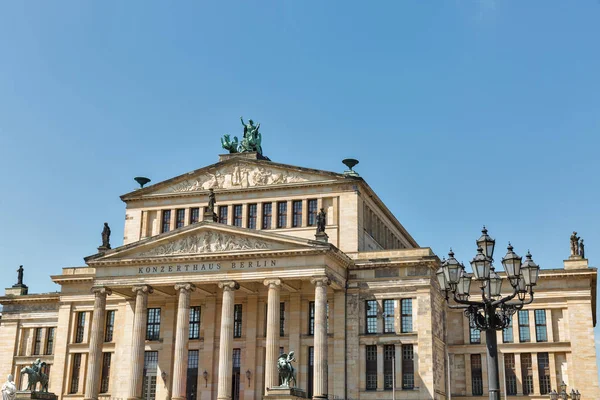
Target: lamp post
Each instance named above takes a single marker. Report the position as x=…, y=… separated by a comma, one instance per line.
x=491, y=312
x=575, y=395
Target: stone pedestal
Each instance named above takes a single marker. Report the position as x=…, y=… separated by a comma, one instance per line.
x=576, y=262
x=22, y=395
x=284, y=393
x=16, y=290
x=210, y=216
x=322, y=237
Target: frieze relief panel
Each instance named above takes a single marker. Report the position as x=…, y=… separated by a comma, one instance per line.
x=238, y=176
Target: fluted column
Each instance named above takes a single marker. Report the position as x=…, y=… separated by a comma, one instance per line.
x=226, y=343
x=320, y=361
x=272, y=344
x=139, y=339
x=181, y=340
x=92, y=385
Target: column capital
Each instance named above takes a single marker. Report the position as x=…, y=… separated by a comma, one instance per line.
x=101, y=291
x=185, y=287
x=144, y=289
x=273, y=283
x=228, y=286
x=321, y=281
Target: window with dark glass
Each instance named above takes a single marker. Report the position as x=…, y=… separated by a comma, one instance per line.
x=311, y=317
x=37, y=345
x=282, y=214
x=510, y=374
x=267, y=215
x=166, y=221
x=524, y=326
x=311, y=370
x=194, y=215
x=150, y=373
x=541, y=332
x=153, y=325
x=527, y=373
x=191, y=387
x=371, y=316
x=406, y=309
x=179, y=218
x=80, y=327
x=109, y=328
x=223, y=214
x=371, y=369
x=297, y=213
x=408, y=367
x=476, y=375
x=252, y=216
x=388, y=316
x=282, y=319
x=237, y=215
x=50, y=340
x=194, y=322
x=105, y=377
x=237, y=321
x=389, y=355
x=312, y=212
x=75, y=369
x=544, y=371
x=236, y=376
x=507, y=333
x=475, y=335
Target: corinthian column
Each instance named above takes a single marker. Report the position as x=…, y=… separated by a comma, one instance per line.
x=272, y=345
x=92, y=385
x=181, y=340
x=138, y=343
x=226, y=344
x=320, y=361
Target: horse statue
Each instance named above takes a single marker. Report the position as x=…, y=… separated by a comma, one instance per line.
x=287, y=373
x=35, y=375
x=228, y=144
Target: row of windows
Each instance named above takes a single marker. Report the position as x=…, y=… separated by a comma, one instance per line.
x=541, y=330
x=389, y=355
x=251, y=216
x=109, y=326
x=76, y=369
x=372, y=313
x=379, y=231
x=37, y=344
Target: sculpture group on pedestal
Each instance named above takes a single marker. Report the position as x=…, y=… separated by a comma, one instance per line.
x=287, y=372
x=251, y=141
x=577, y=246
x=35, y=376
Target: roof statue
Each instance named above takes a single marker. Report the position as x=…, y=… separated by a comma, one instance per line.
x=251, y=141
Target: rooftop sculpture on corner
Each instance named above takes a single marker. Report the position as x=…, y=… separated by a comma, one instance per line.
x=251, y=141
x=105, y=237
x=577, y=246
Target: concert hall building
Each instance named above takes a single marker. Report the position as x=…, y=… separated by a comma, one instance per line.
x=189, y=307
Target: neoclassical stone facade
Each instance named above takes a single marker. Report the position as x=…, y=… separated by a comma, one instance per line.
x=189, y=308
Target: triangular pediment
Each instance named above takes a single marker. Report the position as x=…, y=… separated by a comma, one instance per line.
x=236, y=173
x=207, y=238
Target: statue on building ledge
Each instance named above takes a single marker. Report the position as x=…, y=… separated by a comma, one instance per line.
x=210, y=214
x=251, y=141
x=20, y=283
x=105, y=238
x=321, y=221
x=576, y=246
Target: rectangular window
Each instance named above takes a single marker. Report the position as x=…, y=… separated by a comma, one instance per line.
x=236, y=376
x=282, y=214
x=194, y=215
x=109, y=326
x=371, y=316
x=282, y=319
x=311, y=318
x=267, y=215
x=389, y=355
x=237, y=215
x=50, y=340
x=37, y=347
x=80, y=327
x=252, y=216
x=297, y=213
x=388, y=316
x=153, y=325
x=105, y=377
x=223, y=214
x=312, y=212
x=237, y=321
x=408, y=367
x=311, y=370
x=541, y=332
x=406, y=307
x=524, y=326
x=510, y=374
x=475, y=335
x=179, y=218
x=371, y=367
x=527, y=373
x=150, y=372
x=476, y=375
x=76, y=367
x=507, y=333
x=194, y=322
x=191, y=388
x=544, y=371
x=166, y=221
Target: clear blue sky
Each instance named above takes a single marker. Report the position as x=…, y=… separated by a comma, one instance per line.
x=462, y=113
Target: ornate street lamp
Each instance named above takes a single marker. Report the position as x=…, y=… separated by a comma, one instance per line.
x=492, y=312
